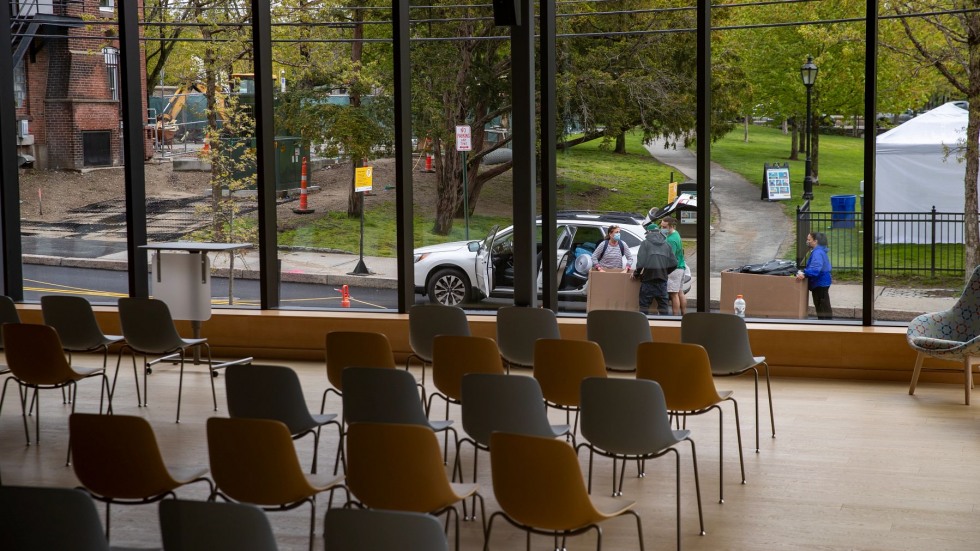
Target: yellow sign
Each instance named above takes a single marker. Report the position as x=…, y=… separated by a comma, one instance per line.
x=363, y=179
x=671, y=192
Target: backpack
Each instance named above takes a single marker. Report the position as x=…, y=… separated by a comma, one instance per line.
x=605, y=245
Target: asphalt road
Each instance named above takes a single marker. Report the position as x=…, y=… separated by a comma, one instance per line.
x=106, y=286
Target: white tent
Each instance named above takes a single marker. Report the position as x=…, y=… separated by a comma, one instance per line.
x=918, y=168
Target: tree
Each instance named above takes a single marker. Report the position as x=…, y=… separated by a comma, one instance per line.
x=950, y=44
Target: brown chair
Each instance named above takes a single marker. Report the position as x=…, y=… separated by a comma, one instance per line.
x=117, y=460
x=398, y=467
x=37, y=362
x=560, y=366
x=538, y=484
x=684, y=374
x=352, y=349
x=254, y=461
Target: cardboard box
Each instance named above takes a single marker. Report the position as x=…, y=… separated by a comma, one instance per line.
x=766, y=296
x=610, y=290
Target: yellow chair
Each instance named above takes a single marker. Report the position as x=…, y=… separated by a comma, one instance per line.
x=352, y=349
x=560, y=366
x=117, y=460
x=398, y=467
x=539, y=485
x=37, y=362
x=254, y=461
x=684, y=374
x=454, y=356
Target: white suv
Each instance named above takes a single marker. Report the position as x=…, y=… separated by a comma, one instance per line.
x=461, y=271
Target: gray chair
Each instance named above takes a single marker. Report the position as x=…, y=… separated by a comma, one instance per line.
x=502, y=403
x=618, y=333
x=726, y=338
x=382, y=395
x=274, y=392
x=149, y=330
x=42, y=519
x=214, y=526
x=627, y=419
x=425, y=321
x=72, y=317
x=381, y=530
x=517, y=329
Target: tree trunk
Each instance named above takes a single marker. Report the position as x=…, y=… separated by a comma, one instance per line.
x=971, y=234
x=794, y=145
x=620, y=143
x=210, y=83
x=785, y=126
x=745, y=129
x=355, y=200
x=449, y=187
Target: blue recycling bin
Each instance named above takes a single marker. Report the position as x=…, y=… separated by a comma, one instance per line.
x=843, y=207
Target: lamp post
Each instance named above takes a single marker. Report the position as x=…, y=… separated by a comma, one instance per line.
x=808, y=72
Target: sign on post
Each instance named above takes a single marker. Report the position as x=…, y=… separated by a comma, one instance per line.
x=363, y=179
x=464, y=138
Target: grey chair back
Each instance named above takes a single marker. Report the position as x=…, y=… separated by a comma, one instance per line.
x=724, y=336
x=214, y=525
x=72, y=317
x=8, y=313
x=380, y=530
x=268, y=392
x=381, y=395
x=618, y=333
x=147, y=325
x=425, y=321
x=505, y=403
x=626, y=416
x=518, y=327
x=42, y=519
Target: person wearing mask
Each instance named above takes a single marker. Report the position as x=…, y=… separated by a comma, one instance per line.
x=654, y=263
x=675, y=281
x=816, y=270
x=609, y=254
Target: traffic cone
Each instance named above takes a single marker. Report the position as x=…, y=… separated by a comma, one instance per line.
x=207, y=147
x=344, y=296
x=428, y=163
x=303, y=207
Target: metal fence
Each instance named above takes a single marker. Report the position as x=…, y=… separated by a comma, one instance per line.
x=906, y=243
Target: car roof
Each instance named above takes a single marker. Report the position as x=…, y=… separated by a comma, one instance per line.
x=611, y=217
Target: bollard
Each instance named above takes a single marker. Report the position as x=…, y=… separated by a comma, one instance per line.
x=428, y=163
x=303, y=206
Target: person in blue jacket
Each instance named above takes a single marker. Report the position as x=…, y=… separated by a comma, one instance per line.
x=816, y=270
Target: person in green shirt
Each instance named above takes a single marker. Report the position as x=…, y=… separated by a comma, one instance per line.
x=678, y=303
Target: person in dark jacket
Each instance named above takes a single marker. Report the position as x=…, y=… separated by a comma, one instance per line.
x=654, y=263
x=817, y=273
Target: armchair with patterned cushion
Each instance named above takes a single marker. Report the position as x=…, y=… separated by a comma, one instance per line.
x=950, y=335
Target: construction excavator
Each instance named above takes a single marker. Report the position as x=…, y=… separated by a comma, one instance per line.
x=172, y=128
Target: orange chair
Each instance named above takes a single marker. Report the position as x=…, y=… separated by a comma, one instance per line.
x=37, y=361
x=560, y=366
x=539, y=485
x=254, y=461
x=352, y=349
x=684, y=374
x=117, y=460
x=398, y=467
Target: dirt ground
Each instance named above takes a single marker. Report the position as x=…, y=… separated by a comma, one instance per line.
x=52, y=196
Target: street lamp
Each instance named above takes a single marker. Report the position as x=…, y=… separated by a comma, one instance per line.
x=808, y=72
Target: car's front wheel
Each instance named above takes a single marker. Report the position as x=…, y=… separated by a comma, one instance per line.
x=449, y=287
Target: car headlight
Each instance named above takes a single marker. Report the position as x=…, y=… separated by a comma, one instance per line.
x=420, y=256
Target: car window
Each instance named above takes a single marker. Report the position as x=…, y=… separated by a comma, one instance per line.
x=630, y=239
x=589, y=234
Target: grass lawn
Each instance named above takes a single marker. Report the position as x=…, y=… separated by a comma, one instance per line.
x=840, y=171
x=589, y=178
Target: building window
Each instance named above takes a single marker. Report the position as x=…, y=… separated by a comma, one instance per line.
x=107, y=5
x=20, y=84
x=112, y=69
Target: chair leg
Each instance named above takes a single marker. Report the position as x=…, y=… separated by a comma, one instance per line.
x=312, y=519
x=211, y=375
x=146, y=387
x=316, y=448
x=23, y=408
x=68, y=455
x=755, y=372
x=180, y=385
x=915, y=372
x=697, y=483
x=968, y=379
x=772, y=416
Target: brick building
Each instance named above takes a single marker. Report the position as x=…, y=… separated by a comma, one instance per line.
x=67, y=82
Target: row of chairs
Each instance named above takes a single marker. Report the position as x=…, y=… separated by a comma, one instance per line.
x=43, y=519
x=617, y=332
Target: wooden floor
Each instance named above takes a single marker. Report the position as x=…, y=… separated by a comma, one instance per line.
x=855, y=465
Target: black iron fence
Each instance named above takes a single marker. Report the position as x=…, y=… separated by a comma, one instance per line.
x=906, y=243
